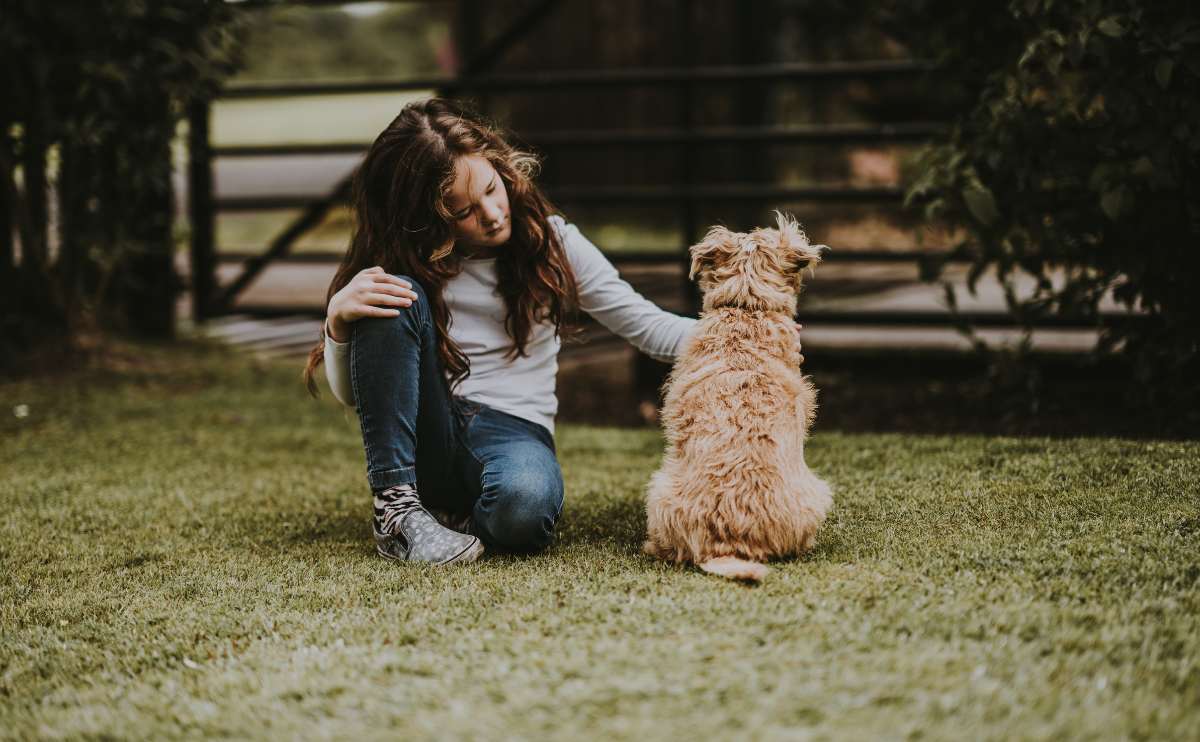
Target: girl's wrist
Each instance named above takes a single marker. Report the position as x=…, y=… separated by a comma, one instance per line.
x=335, y=329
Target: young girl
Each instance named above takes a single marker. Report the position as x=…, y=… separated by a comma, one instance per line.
x=443, y=329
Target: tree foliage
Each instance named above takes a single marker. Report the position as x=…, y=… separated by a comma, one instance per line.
x=93, y=95
x=305, y=42
x=1073, y=158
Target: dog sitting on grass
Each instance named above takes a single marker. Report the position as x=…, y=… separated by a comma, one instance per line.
x=733, y=490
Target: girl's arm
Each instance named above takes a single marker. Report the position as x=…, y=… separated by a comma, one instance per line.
x=613, y=302
x=337, y=368
x=371, y=293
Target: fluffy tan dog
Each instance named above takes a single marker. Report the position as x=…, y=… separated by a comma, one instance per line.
x=733, y=490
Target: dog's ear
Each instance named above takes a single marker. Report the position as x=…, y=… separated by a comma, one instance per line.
x=795, y=243
x=716, y=245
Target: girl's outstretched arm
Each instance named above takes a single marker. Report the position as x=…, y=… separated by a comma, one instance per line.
x=615, y=304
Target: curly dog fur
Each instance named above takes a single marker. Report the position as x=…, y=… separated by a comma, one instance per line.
x=733, y=489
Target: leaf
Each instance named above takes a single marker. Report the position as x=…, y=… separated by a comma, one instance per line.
x=981, y=204
x=1143, y=167
x=1162, y=72
x=1054, y=62
x=1111, y=27
x=1115, y=202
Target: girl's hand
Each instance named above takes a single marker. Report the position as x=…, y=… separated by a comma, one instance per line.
x=798, y=346
x=371, y=293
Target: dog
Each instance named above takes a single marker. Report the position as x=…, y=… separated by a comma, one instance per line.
x=733, y=490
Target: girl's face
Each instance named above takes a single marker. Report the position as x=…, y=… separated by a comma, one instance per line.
x=478, y=204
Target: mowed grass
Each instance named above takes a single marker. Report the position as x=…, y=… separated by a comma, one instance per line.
x=185, y=551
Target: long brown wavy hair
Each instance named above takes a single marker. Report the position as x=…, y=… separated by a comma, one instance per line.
x=403, y=225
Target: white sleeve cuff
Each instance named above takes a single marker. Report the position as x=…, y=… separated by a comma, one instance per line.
x=337, y=369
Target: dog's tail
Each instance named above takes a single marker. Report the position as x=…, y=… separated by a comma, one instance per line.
x=734, y=568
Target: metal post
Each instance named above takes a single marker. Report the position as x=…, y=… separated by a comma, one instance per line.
x=8, y=202
x=648, y=374
x=201, y=212
x=469, y=43
x=756, y=29
x=687, y=176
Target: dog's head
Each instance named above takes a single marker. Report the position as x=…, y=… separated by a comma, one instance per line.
x=760, y=270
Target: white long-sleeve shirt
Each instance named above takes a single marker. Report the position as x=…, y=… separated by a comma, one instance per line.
x=525, y=386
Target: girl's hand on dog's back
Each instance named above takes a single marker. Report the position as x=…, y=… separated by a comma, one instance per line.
x=371, y=293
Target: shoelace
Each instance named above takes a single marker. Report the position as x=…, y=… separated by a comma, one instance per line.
x=394, y=510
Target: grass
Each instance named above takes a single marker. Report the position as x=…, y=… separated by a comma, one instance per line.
x=185, y=551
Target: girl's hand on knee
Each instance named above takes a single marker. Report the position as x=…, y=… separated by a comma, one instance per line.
x=372, y=293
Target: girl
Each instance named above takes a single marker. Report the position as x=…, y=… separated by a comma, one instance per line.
x=443, y=330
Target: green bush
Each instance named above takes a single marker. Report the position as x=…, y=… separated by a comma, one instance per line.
x=1073, y=156
x=93, y=95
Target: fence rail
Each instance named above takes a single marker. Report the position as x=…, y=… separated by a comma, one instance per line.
x=831, y=134
x=648, y=256
x=684, y=196
x=685, y=139
x=816, y=317
x=629, y=194
x=576, y=79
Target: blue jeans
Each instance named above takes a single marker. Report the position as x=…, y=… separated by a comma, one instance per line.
x=463, y=456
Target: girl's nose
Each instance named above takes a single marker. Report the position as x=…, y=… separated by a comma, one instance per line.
x=492, y=215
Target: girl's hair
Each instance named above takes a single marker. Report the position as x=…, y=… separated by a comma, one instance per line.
x=403, y=224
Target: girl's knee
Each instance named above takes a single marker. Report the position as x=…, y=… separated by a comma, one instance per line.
x=521, y=513
x=413, y=284
x=412, y=317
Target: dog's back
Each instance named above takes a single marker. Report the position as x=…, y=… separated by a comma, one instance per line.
x=738, y=368
x=733, y=484
x=733, y=489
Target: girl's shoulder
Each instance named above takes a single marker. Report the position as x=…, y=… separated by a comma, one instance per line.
x=569, y=236
x=559, y=224
x=568, y=233
x=585, y=258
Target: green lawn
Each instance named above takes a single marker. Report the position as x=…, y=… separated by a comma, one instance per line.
x=185, y=550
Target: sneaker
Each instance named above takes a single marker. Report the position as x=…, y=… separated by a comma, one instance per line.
x=455, y=521
x=406, y=532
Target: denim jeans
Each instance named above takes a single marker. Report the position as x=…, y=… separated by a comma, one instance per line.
x=462, y=455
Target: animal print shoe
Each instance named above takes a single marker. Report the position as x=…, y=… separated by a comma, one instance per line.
x=406, y=532
x=455, y=521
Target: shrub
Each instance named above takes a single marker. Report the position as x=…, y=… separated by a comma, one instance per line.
x=1073, y=158
x=93, y=94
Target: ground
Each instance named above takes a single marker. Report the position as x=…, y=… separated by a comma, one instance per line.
x=185, y=551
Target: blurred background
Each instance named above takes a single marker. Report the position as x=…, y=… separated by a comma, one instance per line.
x=1007, y=187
